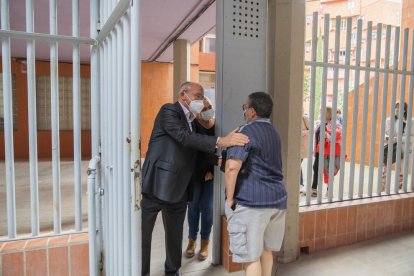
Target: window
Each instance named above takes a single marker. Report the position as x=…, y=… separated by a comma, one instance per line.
x=374, y=35
x=13, y=100
x=343, y=24
x=398, y=15
x=207, y=79
x=208, y=44
x=309, y=19
x=353, y=38
x=351, y=6
x=342, y=54
x=43, y=103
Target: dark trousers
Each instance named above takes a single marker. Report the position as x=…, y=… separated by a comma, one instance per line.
x=173, y=215
x=315, y=171
x=201, y=205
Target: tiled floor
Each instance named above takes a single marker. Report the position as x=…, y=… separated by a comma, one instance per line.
x=393, y=255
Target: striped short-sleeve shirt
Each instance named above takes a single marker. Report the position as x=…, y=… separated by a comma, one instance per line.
x=260, y=182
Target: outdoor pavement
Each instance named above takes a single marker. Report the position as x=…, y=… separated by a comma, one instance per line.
x=389, y=256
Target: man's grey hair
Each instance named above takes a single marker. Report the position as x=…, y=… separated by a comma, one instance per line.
x=185, y=86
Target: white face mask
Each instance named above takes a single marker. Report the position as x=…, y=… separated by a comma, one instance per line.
x=208, y=114
x=195, y=105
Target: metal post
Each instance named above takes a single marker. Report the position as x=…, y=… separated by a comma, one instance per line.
x=401, y=114
x=409, y=123
x=384, y=108
x=334, y=108
x=111, y=152
x=54, y=91
x=8, y=123
x=365, y=110
x=392, y=108
x=118, y=139
x=31, y=95
x=374, y=110
x=126, y=139
x=312, y=107
x=95, y=114
x=92, y=172
x=323, y=108
x=136, y=235
x=355, y=114
x=76, y=118
x=345, y=109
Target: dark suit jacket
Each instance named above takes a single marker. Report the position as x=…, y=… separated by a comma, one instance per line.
x=172, y=154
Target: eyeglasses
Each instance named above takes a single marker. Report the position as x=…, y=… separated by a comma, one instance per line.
x=245, y=106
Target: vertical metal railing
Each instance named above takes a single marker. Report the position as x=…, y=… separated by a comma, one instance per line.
x=361, y=142
x=8, y=122
x=31, y=94
x=54, y=95
x=77, y=118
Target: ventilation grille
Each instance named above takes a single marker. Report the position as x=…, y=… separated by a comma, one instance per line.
x=245, y=19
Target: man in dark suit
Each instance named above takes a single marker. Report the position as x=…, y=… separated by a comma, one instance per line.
x=168, y=169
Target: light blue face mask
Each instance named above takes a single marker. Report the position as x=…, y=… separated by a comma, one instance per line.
x=208, y=114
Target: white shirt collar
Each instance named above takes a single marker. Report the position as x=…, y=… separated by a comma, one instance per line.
x=190, y=116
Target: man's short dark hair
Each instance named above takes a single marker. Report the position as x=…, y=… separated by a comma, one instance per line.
x=262, y=104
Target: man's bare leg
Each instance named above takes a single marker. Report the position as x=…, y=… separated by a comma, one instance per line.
x=266, y=261
x=254, y=268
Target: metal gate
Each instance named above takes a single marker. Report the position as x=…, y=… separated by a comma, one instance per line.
x=115, y=73
x=113, y=182
x=393, y=65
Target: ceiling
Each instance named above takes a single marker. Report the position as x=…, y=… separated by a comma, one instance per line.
x=162, y=22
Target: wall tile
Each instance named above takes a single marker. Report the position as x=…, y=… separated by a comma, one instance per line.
x=309, y=226
x=319, y=244
x=36, y=262
x=79, y=259
x=352, y=215
x=79, y=238
x=351, y=237
x=301, y=228
x=320, y=224
x=330, y=242
x=12, y=264
x=342, y=221
x=361, y=236
x=36, y=243
x=389, y=212
x=58, y=261
x=59, y=240
x=371, y=216
x=13, y=245
x=341, y=240
x=398, y=212
x=331, y=222
x=361, y=218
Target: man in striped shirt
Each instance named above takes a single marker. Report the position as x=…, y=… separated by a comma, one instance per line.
x=256, y=195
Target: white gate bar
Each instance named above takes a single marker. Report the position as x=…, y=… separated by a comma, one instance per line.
x=76, y=118
x=323, y=108
x=392, y=108
x=96, y=99
x=126, y=140
x=384, y=108
x=409, y=123
x=355, y=113
x=8, y=123
x=112, y=233
x=31, y=96
x=136, y=139
x=120, y=9
x=345, y=108
x=93, y=250
x=374, y=111
x=46, y=37
x=312, y=107
x=365, y=110
x=54, y=91
x=401, y=113
x=119, y=133
x=334, y=108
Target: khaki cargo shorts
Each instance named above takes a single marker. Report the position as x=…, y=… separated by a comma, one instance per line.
x=251, y=230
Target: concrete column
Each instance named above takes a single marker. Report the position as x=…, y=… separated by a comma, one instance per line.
x=181, y=63
x=286, y=21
